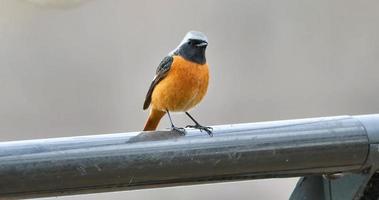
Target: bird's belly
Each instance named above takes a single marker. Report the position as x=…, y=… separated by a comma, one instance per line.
x=182, y=89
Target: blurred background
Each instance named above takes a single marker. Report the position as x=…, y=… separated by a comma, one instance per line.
x=78, y=67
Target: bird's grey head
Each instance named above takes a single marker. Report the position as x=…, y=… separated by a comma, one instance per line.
x=192, y=47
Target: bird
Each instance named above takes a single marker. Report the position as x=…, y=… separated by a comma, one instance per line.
x=180, y=83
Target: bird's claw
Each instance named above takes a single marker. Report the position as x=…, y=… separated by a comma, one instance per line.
x=207, y=129
x=179, y=130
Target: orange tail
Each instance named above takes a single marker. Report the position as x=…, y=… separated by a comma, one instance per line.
x=154, y=117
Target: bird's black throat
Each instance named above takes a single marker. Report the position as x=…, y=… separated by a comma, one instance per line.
x=191, y=52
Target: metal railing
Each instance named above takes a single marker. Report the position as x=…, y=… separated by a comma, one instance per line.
x=125, y=161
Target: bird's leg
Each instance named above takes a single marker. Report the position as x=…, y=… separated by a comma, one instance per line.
x=181, y=131
x=198, y=126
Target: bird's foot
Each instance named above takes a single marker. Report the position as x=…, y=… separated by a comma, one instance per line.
x=179, y=130
x=207, y=129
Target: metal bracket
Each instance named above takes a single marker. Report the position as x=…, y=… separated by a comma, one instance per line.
x=355, y=185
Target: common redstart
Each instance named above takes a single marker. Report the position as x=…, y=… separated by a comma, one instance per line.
x=180, y=83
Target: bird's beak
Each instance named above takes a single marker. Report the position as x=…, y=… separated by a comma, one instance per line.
x=202, y=44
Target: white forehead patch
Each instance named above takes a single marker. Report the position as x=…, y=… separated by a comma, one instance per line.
x=194, y=35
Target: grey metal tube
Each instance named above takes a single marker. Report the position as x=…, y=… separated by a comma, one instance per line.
x=62, y=166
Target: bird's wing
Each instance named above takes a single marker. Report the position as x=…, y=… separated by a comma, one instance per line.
x=161, y=73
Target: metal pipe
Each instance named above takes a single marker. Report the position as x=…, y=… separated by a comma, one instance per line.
x=98, y=163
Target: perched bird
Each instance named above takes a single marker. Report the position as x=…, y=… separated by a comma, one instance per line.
x=180, y=83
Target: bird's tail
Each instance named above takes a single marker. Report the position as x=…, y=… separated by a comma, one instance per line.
x=154, y=117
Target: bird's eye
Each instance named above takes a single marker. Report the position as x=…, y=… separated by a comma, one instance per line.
x=189, y=42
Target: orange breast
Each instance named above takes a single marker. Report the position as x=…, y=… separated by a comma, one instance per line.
x=183, y=87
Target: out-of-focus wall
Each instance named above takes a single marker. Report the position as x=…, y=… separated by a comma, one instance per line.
x=84, y=68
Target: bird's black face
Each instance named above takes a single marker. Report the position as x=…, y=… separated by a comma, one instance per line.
x=193, y=50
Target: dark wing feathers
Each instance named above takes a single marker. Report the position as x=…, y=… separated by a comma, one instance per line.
x=161, y=73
